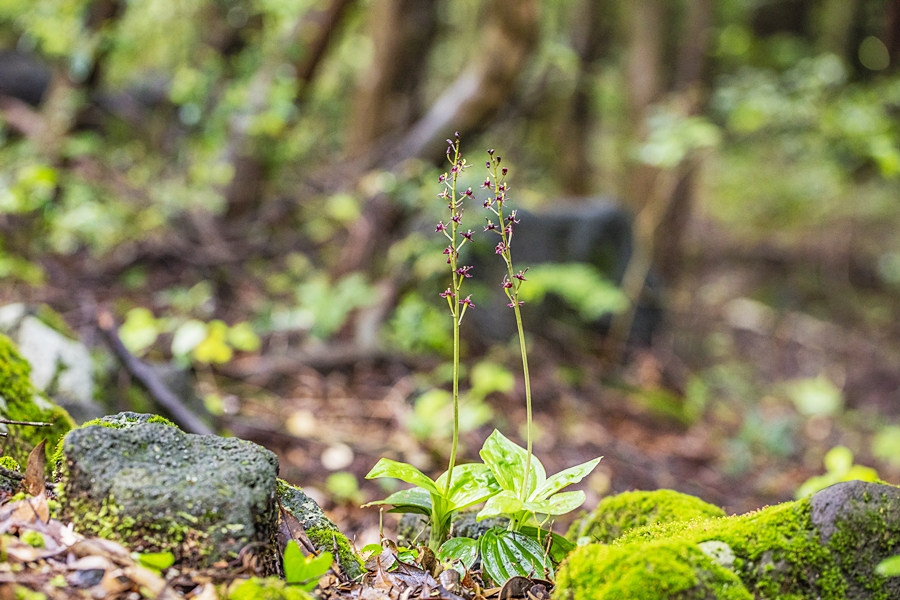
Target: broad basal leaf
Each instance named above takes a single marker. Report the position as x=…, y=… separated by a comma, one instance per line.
x=472, y=483
x=506, y=503
x=507, y=461
x=566, y=477
x=506, y=554
x=413, y=500
x=559, y=546
x=558, y=504
x=386, y=467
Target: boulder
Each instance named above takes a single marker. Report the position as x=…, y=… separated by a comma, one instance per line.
x=825, y=547
x=139, y=480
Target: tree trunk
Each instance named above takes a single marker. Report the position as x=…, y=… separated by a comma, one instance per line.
x=592, y=31
x=510, y=35
x=388, y=98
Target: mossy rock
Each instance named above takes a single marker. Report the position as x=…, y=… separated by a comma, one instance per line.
x=320, y=530
x=155, y=488
x=618, y=514
x=662, y=570
x=792, y=551
x=19, y=401
x=128, y=419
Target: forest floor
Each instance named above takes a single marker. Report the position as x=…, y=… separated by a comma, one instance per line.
x=713, y=408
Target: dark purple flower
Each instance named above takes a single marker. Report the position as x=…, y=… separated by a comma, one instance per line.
x=490, y=226
x=487, y=183
x=501, y=187
x=506, y=283
x=457, y=218
x=468, y=193
x=491, y=151
x=487, y=164
x=442, y=178
x=467, y=235
x=521, y=275
x=512, y=217
x=447, y=293
x=500, y=249
x=468, y=301
x=487, y=203
x=440, y=227
x=504, y=171
x=464, y=271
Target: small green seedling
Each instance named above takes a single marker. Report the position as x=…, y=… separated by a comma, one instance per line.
x=889, y=567
x=155, y=561
x=304, y=571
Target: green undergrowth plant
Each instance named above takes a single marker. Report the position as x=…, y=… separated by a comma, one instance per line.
x=473, y=483
x=510, y=480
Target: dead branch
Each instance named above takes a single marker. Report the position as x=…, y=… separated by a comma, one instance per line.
x=158, y=390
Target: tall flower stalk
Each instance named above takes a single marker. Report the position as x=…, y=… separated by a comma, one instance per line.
x=496, y=184
x=457, y=238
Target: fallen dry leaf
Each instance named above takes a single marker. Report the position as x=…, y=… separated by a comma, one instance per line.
x=34, y=481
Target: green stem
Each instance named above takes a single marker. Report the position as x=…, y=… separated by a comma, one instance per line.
x=455, y=310
x=528, y=417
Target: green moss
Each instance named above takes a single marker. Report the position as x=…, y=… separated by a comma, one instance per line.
x=667, y=569
x=320, y=530
x=19, y=401
x=618, y=514
x=777, y=553
x=8, y=462
x=122, y=420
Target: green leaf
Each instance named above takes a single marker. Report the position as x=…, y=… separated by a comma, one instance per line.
x=413, y=500
x=188, y=336
x=156, y=561
x=242, y=337
x=463, y=549
x=560, y=547
x=214, y=349
x=889, y=567
x=385, y=467
x=472, y=483
x=558, y=504
x=305, y=570
x=564, y=478
x=139, y=330
x=505, y=503
x=507, y=461
x=506, y=554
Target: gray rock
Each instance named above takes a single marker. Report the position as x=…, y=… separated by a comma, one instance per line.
x=62, y=367
x=861, y=522
x=155, y=488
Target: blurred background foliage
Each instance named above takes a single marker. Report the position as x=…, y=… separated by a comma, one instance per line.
x=258, y=177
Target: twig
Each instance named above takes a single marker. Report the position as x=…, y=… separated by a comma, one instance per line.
x=150, y=380
x=29, y=423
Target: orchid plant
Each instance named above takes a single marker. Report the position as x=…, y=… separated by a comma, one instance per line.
x=510, y=480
